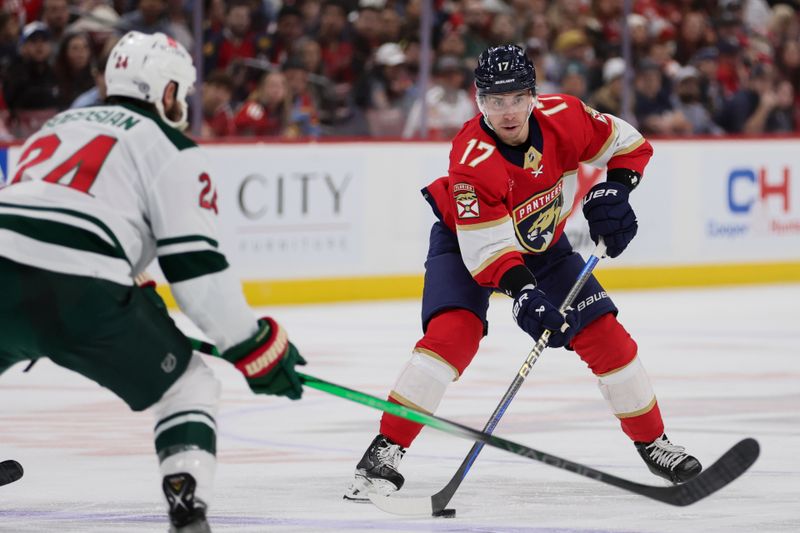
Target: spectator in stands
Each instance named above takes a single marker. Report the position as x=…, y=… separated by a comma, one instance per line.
x=653, y=108
x=55, y=15
x=571, y=46
x=288, y=29
x=311, y=10
x=336, y=44
x=711, y=96
x=9, y=40
x=477, y=21
x=694, y=35
x=687, y=101
x=266, y=111
x=214, y=21
x=237, y=40
x=536, y=51
x=788, y=61
x=452, y=44
x=148, y=18
x=388, y=92
x=608, y=98
x=216, y=103
x=304, y=115
x=503, y=29
x=366, y=32
x=97, y=94
x=449, y=104
x=74, y=68
x=178, y=23
x=391, y=26
x=573, y=81
x=747, y=110
x=30, y=89
x=784, y=116
x=100, y=24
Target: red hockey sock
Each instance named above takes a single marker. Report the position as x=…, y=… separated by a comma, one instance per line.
x=399, y=430
x=452, y=336
x=610, y=353
x=646, y=427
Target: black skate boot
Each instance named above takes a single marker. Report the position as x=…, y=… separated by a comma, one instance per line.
x=376, y=472
x=666, y=460
x=186, y=514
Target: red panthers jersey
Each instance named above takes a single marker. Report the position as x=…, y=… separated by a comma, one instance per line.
x=503, y=201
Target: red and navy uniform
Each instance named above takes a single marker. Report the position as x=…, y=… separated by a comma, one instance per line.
x=502, y=206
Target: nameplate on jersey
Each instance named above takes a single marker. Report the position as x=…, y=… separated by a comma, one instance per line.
x=536, y=219
x=466, y=201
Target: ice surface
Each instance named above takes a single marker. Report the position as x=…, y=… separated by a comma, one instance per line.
x=725, y=364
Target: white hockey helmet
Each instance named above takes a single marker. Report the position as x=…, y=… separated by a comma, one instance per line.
x=141, y=66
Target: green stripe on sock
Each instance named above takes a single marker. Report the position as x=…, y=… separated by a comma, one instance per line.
x=186, y=436
x=184, y=413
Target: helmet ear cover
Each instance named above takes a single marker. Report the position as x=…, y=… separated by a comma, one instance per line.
x=141, y=66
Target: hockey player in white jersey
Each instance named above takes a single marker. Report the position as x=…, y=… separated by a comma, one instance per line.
x=97, y=194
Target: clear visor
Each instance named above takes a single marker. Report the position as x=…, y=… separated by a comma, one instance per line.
x=505, y=103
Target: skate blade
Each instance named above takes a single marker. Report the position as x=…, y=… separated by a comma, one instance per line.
x=361, y=486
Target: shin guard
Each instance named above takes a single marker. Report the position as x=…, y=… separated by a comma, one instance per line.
x=448, y=346
x=610, y=353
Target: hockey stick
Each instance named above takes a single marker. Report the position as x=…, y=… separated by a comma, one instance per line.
x=731, y=465
x=10, y=471
x=435, y=505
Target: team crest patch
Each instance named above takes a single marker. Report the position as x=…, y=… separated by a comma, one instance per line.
x=466, y=201
x=595, y=114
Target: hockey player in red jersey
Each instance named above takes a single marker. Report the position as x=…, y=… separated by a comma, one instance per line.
x=512, y=183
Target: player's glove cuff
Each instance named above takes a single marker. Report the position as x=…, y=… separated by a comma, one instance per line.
x=267, y=360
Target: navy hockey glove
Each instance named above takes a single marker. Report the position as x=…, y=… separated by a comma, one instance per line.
x=610, y=216
x=534, y=314
x=267, y=360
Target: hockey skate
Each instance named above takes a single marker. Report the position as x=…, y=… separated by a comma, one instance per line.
x=376, y=472
x=668, y=461
x=186, y=514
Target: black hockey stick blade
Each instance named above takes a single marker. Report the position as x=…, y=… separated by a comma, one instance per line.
x=10, y=471
x=730, y=466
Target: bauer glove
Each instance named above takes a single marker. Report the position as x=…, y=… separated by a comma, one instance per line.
x=610, y=216
x=535, y=314
x=267, y=360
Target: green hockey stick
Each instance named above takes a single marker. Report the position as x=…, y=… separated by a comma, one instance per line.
x=730, y=466
x=363, y=398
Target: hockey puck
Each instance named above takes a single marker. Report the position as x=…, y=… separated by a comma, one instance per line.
x=445, y=513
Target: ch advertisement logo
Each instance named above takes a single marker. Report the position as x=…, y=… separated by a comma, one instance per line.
x=746, y=186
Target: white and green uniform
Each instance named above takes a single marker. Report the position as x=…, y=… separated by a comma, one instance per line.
x=102, y=191
x=97, y=194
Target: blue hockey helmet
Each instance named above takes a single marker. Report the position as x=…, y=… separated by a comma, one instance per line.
x=503, y=69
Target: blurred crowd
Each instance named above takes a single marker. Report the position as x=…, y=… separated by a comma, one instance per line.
x=323, y=68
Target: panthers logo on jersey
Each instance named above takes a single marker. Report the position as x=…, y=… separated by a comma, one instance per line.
x=536, y=219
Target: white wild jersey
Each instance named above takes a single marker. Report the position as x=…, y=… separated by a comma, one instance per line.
x=100, y=191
